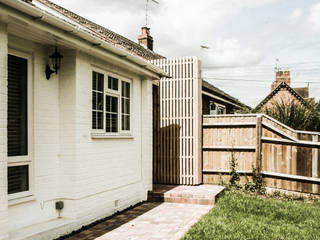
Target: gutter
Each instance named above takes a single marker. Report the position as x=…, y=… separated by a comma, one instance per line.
x=39, y=15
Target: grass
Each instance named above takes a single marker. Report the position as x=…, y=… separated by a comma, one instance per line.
x=240, y=216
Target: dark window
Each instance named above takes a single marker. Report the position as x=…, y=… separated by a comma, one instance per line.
x=17, y=106
x=18, y=179
x=113, y=83
x=125, y=106
x=111, y=114
x=97, y=100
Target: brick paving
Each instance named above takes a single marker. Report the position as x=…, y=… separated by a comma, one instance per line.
x=154, y=220
x=147, y=221
x=98, y=229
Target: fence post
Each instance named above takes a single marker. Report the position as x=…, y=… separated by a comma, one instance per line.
x=315, y=159
x=259, y=143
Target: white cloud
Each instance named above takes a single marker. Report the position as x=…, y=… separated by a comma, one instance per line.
x=178, y=27
x=314, y=18
x=229, y=53
x=295, y=16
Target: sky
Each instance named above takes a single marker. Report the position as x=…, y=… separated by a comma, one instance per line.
x=245, y=39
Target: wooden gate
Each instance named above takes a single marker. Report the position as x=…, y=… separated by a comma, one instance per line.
x=177, y=123
x=288, y=159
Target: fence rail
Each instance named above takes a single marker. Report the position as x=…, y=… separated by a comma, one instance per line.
x=289, y=159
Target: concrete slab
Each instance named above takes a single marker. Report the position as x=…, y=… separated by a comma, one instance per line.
x=202, y=194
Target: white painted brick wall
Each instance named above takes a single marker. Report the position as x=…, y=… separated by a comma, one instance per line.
x=110, y=166
x=46, y=145
x=3, y=132
x=147, y=131
x=88, y=174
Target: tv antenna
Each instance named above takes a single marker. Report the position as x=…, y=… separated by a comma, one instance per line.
x=277, y=65
x=147, y=3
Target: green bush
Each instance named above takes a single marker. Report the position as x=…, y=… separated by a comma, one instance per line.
x=293, y=114
x=296, y=115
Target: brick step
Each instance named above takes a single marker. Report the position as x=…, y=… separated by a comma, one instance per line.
x=202, y=194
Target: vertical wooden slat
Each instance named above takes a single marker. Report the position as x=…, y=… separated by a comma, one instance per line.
x=258, y=142
x=315, y=163
x=178, y=154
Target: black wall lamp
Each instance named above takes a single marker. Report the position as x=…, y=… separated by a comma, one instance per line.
x=56, y=63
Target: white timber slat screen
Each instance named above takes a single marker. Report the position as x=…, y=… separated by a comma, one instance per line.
x=177, y=136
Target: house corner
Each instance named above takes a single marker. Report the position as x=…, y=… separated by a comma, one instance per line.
x=3, y=130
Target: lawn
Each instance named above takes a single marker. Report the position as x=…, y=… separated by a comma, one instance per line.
x=239, y=216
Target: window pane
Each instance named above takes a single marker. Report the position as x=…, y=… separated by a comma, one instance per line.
x=125, y=122
x=97, y=100
x=94, y=120
x=108, y=122
x=94, y=100
x=17, y=106
x=108, y=103
x=100, y=120
x=109, y=82
x=127, y=90
x=114, y=120
x=114, y=105
x=18, y=179
x=127, y=106
x=100, y=101
x=100, y=82
x=113, y=83
x=94, y=81
x=112, y=114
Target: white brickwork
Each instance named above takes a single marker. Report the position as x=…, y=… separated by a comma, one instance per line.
x=3, y=132
x=94, y=177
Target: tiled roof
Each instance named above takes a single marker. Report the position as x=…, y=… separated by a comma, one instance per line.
x=303, y=92
x=102, y=32
x=275, y=91
x=223, y=94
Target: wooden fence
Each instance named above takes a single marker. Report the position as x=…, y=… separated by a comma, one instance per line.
x=289, y=159
x=177, y=124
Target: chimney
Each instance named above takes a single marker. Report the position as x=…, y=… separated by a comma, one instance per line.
x=281, y=76
x=145, y=39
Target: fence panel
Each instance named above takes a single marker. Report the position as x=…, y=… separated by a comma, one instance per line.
x=288, y=159
x=178, y=158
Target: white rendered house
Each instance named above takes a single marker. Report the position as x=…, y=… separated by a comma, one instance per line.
x=83, y=137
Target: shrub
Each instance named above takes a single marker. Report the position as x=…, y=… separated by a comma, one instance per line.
x=234, y=176
x=296, y=115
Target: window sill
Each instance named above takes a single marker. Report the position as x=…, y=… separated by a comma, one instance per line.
x=104, y=136
x=16, y=201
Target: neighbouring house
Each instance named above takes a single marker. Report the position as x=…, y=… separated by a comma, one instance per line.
x=215, y=101
x=281, y=91
x=76, y=141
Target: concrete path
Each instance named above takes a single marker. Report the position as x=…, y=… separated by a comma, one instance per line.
x=166, y=221
x=146, y=221
x=169, y=220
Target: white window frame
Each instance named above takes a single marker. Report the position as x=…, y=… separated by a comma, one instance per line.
x=220, y=106
x=114, y=93
x=130, y=113
x=217, y=107
x=27, y=159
